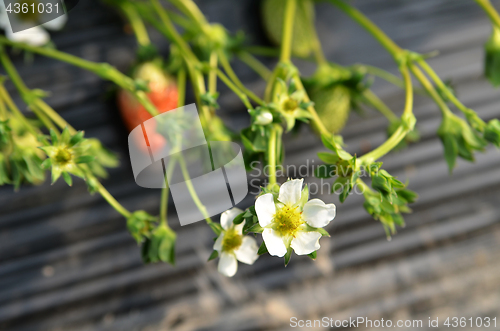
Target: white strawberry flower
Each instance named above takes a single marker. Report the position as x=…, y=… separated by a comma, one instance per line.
x=36, y=35
x=232, y=246
x=292, y=222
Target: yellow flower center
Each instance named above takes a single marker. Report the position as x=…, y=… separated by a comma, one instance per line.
x=287, y=221
x=63, y=156
x=290, y=104
x=232, y=240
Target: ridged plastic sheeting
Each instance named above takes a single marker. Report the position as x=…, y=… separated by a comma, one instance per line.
x=68, y=263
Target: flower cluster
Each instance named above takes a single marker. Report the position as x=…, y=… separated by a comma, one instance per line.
x=287, y=219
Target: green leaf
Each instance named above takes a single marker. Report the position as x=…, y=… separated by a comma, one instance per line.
x=328, y=158
x=213, y=256
x=313, y=255
x=328, y=142
x=262, y=249
x=325, y=171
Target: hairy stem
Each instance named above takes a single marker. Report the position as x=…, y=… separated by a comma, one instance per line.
x=287, y=35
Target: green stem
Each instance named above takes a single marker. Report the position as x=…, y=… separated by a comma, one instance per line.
x=181, y=86
x=34, y=102
x=135, y=21
x=254, y=64
x=379, y=105
x=164, y=194
x=262, y=51
x=439, y=83
x=366, y=23
x=4, y=95
x=400, y=132
x=315, y=43
x=490, y=11
x=271, y=149
x=103, y=70
x=287, y=35
x=190, y=59
x=112, y=201
x=227, y=67
x=191, y=189
x=381, y=73
x=212, y=75
x=315, y=118
x=426, y=84
x=233, y=88
x=190, y=9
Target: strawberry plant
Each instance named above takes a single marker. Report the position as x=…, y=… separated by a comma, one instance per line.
x=201, y=54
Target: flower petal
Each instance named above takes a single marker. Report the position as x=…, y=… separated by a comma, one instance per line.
x=274, y=243
x=227, y=217
x=318, y=214
x=56, y=24
x=305, y=242
x=247, y=252
x=290, y=191
x=218, y=243
x=265, y=209
x=227, y=264
x=35, y=36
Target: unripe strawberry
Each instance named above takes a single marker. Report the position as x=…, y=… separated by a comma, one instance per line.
x=272, y=17
x=333, y=105
x=163, y=94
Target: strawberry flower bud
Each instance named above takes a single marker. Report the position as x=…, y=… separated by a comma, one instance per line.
x=264, y=118
x=458, y=139
x=160, y=246
x=492, y=57
x=261, y=116
x=139, y=224
x=492, y=132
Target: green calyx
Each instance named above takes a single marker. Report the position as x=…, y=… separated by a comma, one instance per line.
x=65, y=154
x=459, y=139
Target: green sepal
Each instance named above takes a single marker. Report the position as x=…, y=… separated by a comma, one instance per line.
x=288, y=255
x=262, y=249
x=256, y=228
x=213, y=256
x=84, y=159
x=67, y=178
